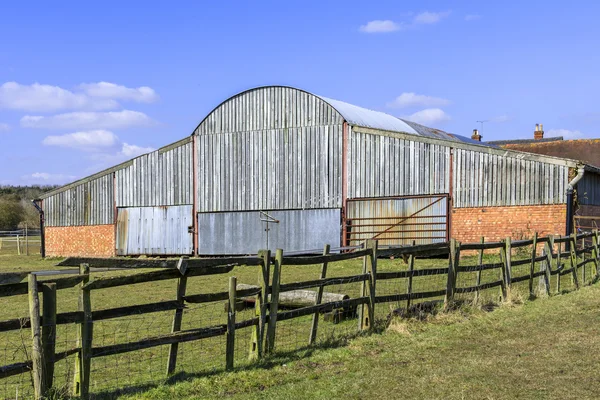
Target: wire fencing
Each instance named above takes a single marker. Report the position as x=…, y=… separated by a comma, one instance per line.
x=122, y=331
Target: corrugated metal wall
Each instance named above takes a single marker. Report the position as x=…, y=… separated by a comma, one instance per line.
x=588, y=189
x=398, y=221
x=386, y=166
x=154, y=230
x=160, y=178
x=270, y=148
x=482, y=179
x=90, y=203
x=245, y=233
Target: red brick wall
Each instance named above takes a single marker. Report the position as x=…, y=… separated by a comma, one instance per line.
x=518, y=222
x=90, y=241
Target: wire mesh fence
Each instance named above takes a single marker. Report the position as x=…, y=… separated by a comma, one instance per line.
x=290, y=302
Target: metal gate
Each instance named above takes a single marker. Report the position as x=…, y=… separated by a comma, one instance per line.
x=154, y=230
x=398, y=220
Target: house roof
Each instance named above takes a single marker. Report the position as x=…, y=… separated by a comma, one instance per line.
x=584, y=150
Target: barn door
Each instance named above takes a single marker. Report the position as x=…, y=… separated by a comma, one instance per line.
x=154, y=230
x=397, y=220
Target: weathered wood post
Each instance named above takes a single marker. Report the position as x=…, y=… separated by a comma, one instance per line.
x=366, y=317
x=479, y=262
x=409, y=284
x=573, y=251
x=178, y=317
x=37, y=354
x=18, y=246
x=49, y=331
x=595, y=252
x=258, y=334
x=558, y=265
x=230, y=350
x=532, y=266
x=274, y=301
x=506, y=254
x=315, y=320
x=548, y=249
x=26, y=241
x=453, y=262
x=84, y=338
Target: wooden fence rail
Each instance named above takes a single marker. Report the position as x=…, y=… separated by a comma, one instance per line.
x=270, y=294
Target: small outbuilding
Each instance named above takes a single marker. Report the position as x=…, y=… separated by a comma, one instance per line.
x=279, y=167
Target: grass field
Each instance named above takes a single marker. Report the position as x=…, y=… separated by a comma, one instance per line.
x=136, y=370
x=544, y=349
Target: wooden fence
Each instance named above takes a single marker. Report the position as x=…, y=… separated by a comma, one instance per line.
x=267, y=295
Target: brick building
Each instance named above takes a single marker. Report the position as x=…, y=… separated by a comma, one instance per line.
x=279, y=167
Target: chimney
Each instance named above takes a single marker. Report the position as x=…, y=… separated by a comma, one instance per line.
x=539, y=132
x=476, y=135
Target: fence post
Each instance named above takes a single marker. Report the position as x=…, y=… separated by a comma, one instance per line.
x=37, y=356
x=26, y=241
x=18, y=246
x=506, y=254
x=532, y=267
x=83, y=358
x=177, y=318
x=274, y=301
x=230, y=351
x=558, y=265
x=315, y=320
x=258, y=334
x=549, y=248
x=49, y=331
x=573, y=249
x=411, y=269
x=478, y=280
x=595, y=252
x=453, y=261
x=366, y=313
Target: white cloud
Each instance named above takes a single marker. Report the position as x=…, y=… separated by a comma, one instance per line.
x=380, y=26
x=142, y=94
x=88, y=96
x=472, y=17
x=47, y=98
x=565, y=133
x=387, y=25
x=131, y=150
x=87, y=141
x=88, y=120
x=429, y=116
x=126, y=152
x=4, y=127
x=430, y=17
x=409, y=99
x=47, y=178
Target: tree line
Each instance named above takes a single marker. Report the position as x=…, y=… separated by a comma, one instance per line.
x=16, y=208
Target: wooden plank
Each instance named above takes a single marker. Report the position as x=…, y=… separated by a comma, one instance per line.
x=37, y=354
x=257, y=339
x=453, y=262
x=415, y=273
x=404, y=296
x=478, y=268
x=367, y=311
x=230, y=341
x=177, y=319
x=313, y=260
x=411, y=269
x=49, y=331
x=476, y=288
x=14, y=289
x=324, y=307
x=572, y=249
x=421, y=250
x=84, y=272
x=315, y=321
x=135, y=310
x=321, y=283
x=26, y=366
x=548, y=249
x=532, y=268
x=103, y=283
x=274, y=302
x=134, y=263
x=481, y=246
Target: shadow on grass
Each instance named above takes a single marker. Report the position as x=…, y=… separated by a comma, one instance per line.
x=276, y=359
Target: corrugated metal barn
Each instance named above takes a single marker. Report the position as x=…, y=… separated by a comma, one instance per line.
x=279, y=167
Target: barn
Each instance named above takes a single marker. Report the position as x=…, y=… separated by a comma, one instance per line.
x=278, y=167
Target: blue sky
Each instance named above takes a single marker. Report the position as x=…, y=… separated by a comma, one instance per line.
x=84, y=86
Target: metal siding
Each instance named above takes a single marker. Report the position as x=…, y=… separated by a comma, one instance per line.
x=588, y=189
x=489, y=180
x=159, y=178
x=90, y=203
x=387, y=166
x=244, y=232
x=154, y=230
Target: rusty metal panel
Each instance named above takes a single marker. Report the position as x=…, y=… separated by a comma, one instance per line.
x=398, y=221
x=381, y=166
x=482, y=180
x=162, y=177
x=154, y=230
x=90, y=203
x=245, y=233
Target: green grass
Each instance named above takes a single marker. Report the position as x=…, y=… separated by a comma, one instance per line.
x=543, y=349
x=137, y=369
